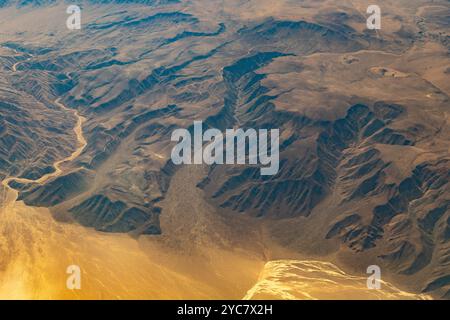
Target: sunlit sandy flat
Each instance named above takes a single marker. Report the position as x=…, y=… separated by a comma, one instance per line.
x=316, y=280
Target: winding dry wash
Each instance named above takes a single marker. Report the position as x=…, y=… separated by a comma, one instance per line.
x=78, y=130
x=14, y=66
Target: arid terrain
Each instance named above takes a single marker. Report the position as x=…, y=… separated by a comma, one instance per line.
x=86, y=118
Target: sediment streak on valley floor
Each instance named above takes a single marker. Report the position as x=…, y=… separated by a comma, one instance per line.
x=35, y=251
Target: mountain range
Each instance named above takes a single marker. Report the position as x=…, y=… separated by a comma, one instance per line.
x=363, y=118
